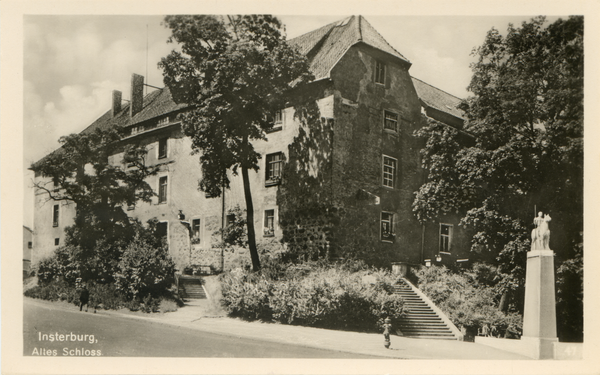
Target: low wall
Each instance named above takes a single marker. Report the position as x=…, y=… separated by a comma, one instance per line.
x=509, y=345
x=561, y=350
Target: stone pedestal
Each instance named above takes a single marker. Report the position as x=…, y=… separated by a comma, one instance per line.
x=539, y=316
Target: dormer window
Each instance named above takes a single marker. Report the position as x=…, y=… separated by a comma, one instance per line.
x=163, y=121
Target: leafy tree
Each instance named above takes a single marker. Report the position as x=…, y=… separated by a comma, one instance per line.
x=81, y=173
x=234, y=72
x=525, y=118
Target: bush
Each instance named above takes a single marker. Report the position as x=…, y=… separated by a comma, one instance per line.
x=469, y=299
x=54, y=291
x=144, y=269
x=102, y=296
x=314, y=295
x=167, y=305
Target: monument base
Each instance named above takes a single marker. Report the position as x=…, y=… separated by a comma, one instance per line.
x=538, y=347
x=532, y=347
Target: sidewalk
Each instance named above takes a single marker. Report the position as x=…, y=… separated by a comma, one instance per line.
x=193, y=317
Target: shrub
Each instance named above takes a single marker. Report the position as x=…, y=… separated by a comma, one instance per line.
x=144, y=269
x=468, y=299
x=167, y=305
x=313, y=295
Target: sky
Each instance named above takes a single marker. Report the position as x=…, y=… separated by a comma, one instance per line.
x=71, y=64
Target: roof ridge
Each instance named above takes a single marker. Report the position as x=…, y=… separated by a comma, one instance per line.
x=381, y=36
x=437, y=88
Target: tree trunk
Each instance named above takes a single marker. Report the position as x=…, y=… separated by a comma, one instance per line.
x=250, y=221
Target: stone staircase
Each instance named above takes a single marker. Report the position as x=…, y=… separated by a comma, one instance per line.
x=422, y=319
x=191, y=288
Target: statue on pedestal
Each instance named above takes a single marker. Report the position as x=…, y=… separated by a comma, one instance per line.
x=540, y=235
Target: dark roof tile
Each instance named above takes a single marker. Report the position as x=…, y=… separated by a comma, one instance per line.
x=325, y=46
x=438, y=99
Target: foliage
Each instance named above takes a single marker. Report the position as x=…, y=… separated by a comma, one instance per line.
x=145, y=268
x=235, y=233
x=569, y=299
x=234, y=72
x=310, y=295
x=521, y=147
x=102, y=296
x=469, y=299
x=80, y=173
x=167, y=305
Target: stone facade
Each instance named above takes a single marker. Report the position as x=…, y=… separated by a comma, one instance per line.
x=349, y=163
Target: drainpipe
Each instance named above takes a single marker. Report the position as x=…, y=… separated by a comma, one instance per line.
x=223, y=223
x=422, y=243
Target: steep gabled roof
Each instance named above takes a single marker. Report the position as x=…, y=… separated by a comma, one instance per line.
x=325, y=46
x=435, y=98
x=156, y=103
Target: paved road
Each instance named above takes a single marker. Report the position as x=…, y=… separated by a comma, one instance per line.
x=110, y=335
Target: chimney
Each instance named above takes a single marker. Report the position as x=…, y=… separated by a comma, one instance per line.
x=116, y=102
x=137, y=94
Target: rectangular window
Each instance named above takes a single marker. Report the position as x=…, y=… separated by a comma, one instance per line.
x=29, y=245
x=445, y=237
x=278, y=118
x=389, y=171
x=162, y=189
x=390, y=121
x=229, y=219
x=380, y=72
x=56, y=241
x=162, y=230
x=276, y=121
x=387, y=227
x=269, y=229
x=162, y=148
x=196, y=231
x=55, y=216
x=273, y=170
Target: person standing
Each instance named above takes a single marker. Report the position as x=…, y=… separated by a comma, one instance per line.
x=84, y=298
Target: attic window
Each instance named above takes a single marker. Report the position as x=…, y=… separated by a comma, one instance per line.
x=163, y=121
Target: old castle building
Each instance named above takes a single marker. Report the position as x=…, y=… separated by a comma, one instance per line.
x=338, y=171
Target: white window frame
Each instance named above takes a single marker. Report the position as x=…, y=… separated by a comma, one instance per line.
x=446, y=238
x=391, y=223
x=278, y=117
x=269, y=180
x=166, y=140
x=166, y=198
x=200, y=233
x=269, y=232
x=56, y=215
x=396, y=121
x=385, y=173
